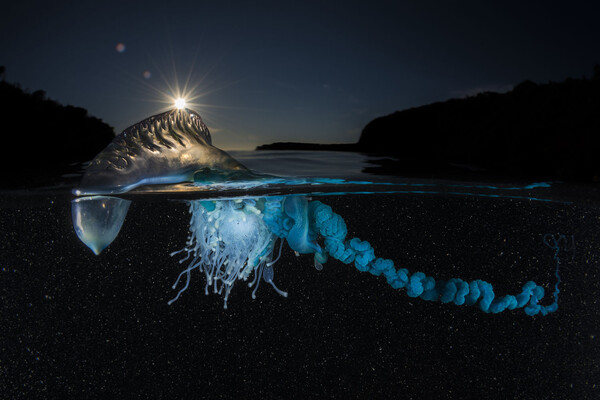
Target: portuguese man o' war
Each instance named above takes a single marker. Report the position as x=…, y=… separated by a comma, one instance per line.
x=165, y=148
x=242, y=239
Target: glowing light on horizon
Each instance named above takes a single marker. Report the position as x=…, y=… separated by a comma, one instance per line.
x=180, y=103
x=164, y=84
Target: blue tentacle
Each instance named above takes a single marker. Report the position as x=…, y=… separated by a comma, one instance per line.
x=332, y=228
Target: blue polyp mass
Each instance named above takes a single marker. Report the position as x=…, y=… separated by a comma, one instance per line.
x=232, y=239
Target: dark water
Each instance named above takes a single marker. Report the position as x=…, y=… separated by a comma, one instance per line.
x=76, y=325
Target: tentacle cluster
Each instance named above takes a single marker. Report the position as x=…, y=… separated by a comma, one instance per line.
x=228, y=241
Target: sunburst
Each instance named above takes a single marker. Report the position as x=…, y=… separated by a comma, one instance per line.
x=180, y=103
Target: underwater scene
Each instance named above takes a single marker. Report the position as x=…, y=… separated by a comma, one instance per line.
x=168, y=268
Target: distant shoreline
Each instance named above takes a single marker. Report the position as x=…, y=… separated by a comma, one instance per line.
x=310, y=146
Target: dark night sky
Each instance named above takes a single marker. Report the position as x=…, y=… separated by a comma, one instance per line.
x=289, y=71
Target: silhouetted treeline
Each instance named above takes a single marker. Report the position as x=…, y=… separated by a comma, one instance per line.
x=541, y=130
x=42, y=139
x=547, y=130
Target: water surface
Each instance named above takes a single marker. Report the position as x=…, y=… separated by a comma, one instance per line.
x=77, y=325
